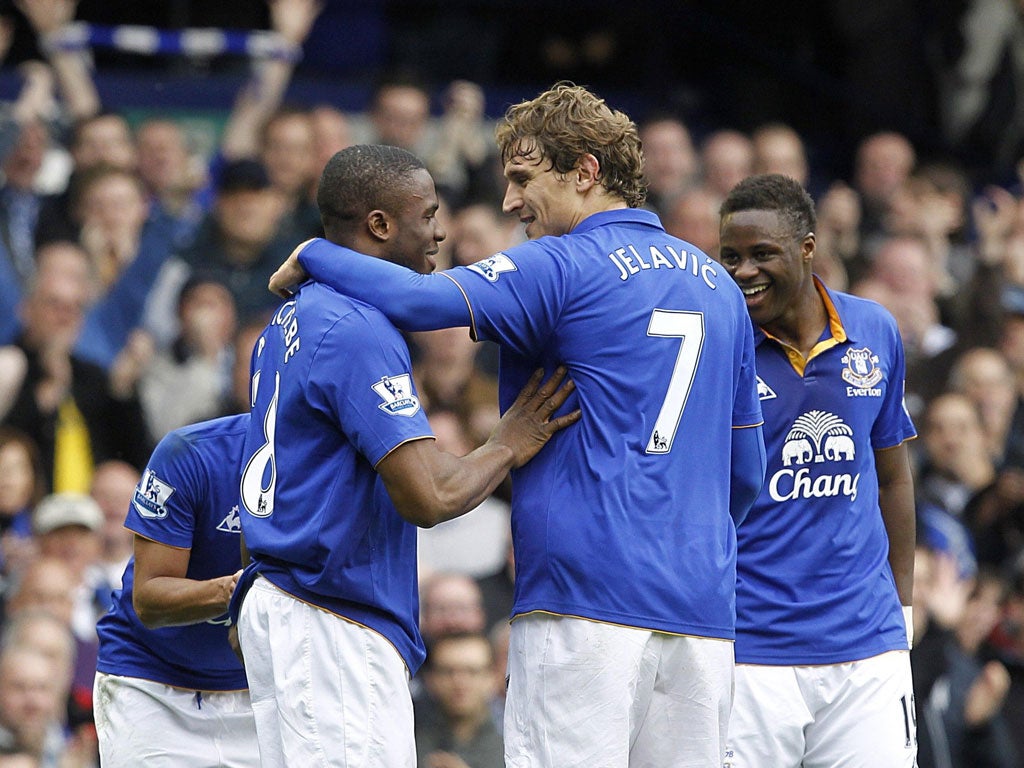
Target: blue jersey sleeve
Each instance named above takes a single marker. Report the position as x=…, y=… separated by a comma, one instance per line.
x=893, y=424
x=746, y=404
x=516, y=297
x=362, y=375
x=164, y=503
x=413, y=302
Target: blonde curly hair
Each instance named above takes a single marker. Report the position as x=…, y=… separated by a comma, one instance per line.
x=568, y=121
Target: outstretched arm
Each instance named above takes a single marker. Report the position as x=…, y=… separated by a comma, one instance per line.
x=413, y=302
x=429, y=486
x=291, y=21
x=747, y=470
x=67, y=53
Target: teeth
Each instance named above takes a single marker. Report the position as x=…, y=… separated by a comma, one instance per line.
x=753, y=291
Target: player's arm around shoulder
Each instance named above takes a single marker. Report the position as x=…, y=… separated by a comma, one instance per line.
x=429, y=486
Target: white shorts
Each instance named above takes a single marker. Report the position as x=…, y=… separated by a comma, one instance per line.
x=140, y=722
x=859, y=715
x=591, y=695
x=325, y=691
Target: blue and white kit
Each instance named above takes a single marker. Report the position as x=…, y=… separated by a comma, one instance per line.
x=814, y=584
x=334, y=395
x=187, y=498
x=625, y=518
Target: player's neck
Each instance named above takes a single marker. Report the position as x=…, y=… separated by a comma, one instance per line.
x=801, y=326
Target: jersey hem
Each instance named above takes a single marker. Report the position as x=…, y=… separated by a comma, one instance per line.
x=115, y=670
x=707, y=634
x=350, y=620
x=815, y=660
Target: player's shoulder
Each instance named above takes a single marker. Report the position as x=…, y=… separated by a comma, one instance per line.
x=862, y=315
x=192, y=443
x=224, y=426
x=323, y=311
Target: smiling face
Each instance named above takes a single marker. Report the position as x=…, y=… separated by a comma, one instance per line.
x=417, y=230
x=545, y=201
x=770, y=263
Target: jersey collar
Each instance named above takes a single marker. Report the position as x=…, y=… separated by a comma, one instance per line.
x=834, y=333
x=618, y=216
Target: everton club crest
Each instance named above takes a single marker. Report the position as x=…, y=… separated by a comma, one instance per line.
x=861, y=369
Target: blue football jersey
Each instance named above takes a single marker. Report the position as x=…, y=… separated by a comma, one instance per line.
x=814, y=584
x=332, y=396
x=187, y=498
x=624, y=518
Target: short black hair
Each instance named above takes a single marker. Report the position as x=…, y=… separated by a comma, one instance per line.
x=245, y=175
x=773, y=192
x=363, y=178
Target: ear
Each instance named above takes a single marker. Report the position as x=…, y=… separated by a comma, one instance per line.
x=378, y=223
x=588, y=173
x=807, y=246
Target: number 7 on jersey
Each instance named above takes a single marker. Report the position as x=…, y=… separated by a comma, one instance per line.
x=689, y=328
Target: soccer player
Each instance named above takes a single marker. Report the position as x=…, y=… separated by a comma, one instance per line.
x=339, y=460
x=826, y=555
x=169, y=691
x=624, y=528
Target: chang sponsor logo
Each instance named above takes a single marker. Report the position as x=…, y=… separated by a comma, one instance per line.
x=817, y=438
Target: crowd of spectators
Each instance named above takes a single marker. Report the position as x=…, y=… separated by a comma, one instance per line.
x=133, y=283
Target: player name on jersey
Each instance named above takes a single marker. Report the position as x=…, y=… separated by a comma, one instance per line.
x=629, y=262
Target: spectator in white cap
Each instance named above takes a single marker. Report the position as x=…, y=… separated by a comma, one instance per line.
x=68, y=528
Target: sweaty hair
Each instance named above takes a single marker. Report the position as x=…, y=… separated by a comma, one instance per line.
x=773, y=192
x=565, y=123
x=360, y=179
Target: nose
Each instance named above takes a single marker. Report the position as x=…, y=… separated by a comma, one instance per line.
x=744, y=269
x=440, y=233
x=513, y=200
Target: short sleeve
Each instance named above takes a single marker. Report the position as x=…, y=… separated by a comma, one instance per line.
x=163, y=505
x=516, y=297
x=361, y=374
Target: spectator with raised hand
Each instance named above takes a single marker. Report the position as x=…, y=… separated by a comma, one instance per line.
x=67, y=52
x=64, y=402
x=838, y=233
x=463, y=159
x=288, y=152
x=291, y=22
x=127, y=243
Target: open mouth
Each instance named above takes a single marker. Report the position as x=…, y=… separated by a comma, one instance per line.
x=750, y=291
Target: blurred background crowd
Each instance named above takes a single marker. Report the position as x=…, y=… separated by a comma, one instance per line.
x=150, y=188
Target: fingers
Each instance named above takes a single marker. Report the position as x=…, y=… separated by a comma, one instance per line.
x=528, y=391
x=562, y=422
x=279, y=283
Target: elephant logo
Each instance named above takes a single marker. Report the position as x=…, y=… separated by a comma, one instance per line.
x=799, y=451
x=818, y=436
